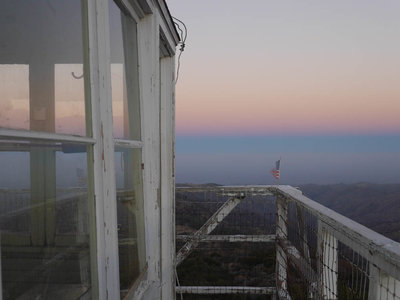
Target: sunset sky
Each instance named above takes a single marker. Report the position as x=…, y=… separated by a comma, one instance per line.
x=313, y=71
x=314, y=82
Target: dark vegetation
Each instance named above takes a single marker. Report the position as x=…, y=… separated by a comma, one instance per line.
x=224, y=263
x=376, y=206
x=253, y=264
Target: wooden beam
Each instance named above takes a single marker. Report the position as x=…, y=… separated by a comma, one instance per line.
x=128, y=143
x=281, y=257
x=207, y=228
x=168, y=248
x=229, y=238
x=105, y=271
x=15, y=134
x=213, y=290
x=300, y=263
x=253, y=190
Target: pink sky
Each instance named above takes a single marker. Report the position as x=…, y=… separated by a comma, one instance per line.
x=289, y=67
x=69, y=98
x=269, y=67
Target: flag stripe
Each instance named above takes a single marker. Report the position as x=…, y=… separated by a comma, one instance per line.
x=275, y=171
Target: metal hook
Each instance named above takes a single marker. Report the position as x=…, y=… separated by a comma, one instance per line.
x=76, y=77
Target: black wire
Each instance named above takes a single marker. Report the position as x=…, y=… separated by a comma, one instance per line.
x=180, y=30
x=178, y=67
x=184, y=39
x=183, y=36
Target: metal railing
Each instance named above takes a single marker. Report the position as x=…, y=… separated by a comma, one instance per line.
x=319, y=254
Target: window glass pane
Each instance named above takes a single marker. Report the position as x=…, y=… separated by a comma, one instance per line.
x=131, y=244
x=70, y=100
x=124, y=74
x=44, y=220
x=41, y=66
x=14, y=96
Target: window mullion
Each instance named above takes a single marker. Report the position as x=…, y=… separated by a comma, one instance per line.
x=128, y=143
x=45, y=136
x=103, y=151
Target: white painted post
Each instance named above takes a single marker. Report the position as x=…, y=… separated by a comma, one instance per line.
x=167, y=180
x=281, y=258
x=81, y=237
x=101, y=157
x=373, y=288
x=328, y=262
x=148, y=45
x=382, y=285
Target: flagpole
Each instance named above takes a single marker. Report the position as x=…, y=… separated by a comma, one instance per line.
x=280, y=160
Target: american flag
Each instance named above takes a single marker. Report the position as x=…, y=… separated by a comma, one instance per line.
x=275, y=171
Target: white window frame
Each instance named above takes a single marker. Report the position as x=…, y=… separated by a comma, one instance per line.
x=90, y=141
x=103, y=160
x=101, y=143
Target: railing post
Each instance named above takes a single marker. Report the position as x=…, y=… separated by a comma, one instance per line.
x=281, y=258
x=328, y=263
x=373, y=287
x=381, y=285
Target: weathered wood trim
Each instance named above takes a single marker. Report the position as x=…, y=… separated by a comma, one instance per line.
x=102, y=156
x=373, y=284
x=377, y=249
x=141, y=278
x=15, y=134
x=373, y=246
x=167, y=19
x=141, y=289
x=214, y=290
x=281, y=257
x=207, y=228
x=168, y=42
x=128, y=143
x=131, y=9
x=243, y=190
x=382, y=285
x=328, y=257
x=167, y=182
x=300, y=263
x=145, y=6
x=148, y=43
x=229, y=238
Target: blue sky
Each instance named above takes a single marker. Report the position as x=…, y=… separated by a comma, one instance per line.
x=305, y=159
x=316, y=82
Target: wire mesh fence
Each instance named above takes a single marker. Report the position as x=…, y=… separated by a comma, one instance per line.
x=276, y=242
x=327, y=256
x=231, y=239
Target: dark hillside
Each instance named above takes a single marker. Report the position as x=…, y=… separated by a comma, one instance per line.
x=376, y=206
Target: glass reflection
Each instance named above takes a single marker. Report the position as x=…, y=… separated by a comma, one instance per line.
x=129, y=216
x=124, y=74
x=14, y=96
x=41, y=50
x=44, y=225
x=69, y=97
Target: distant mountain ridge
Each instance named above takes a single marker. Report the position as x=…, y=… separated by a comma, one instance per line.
x=376, y=206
